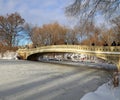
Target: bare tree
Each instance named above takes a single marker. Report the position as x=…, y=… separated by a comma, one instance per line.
x=55, y=32
x=10, y=25
x=87, y=9
x=71, y=37
x=31, y=33
x=116, y=21
x=116, y=27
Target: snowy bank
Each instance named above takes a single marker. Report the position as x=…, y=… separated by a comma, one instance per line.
x=8, y=55
x=104, y=92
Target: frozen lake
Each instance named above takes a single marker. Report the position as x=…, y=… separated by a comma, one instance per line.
x=28, y=80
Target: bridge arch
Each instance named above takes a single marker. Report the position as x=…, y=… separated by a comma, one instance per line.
x=33, y=57
x=36, y=55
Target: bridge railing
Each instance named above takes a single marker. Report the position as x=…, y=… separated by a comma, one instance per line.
x=85, y=48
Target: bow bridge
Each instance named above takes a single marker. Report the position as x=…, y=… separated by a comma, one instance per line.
x=109, y=53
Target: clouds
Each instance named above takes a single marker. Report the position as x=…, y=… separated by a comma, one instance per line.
x=36, y=11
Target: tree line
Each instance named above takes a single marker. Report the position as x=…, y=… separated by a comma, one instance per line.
x=56, y=34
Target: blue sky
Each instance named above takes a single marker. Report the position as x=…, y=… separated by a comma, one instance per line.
x=37, y=12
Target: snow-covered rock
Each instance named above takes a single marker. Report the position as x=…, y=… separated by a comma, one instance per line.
x=104, y=92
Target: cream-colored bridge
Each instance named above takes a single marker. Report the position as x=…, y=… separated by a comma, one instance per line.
x=110, y=53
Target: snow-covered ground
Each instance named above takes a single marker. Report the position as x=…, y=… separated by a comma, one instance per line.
x=104, y=92
x=8, y=55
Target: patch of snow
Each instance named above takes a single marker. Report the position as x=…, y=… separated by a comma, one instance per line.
x=104, y=92
x=9, y=55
